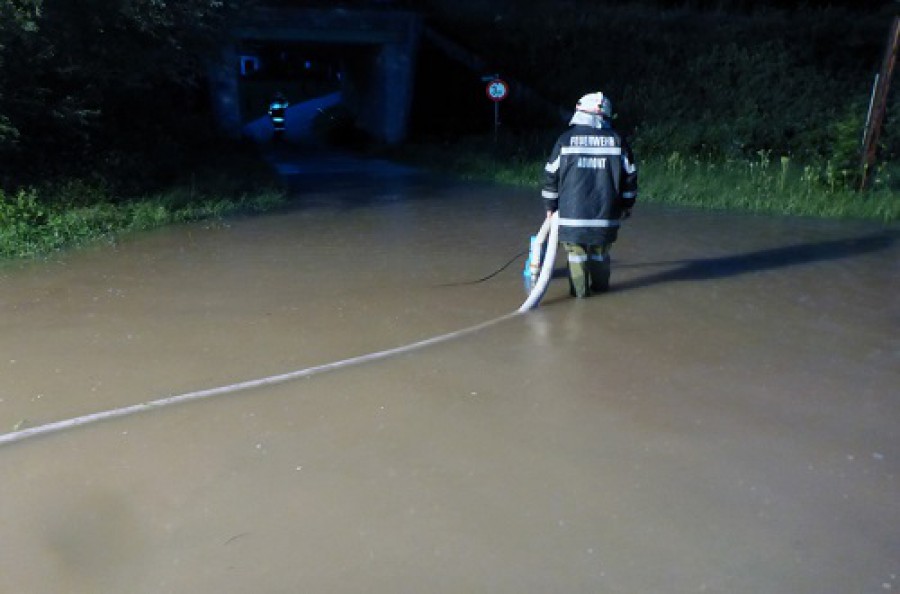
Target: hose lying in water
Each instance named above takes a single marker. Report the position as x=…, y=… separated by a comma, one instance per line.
x=549, y=235
x=548, y=231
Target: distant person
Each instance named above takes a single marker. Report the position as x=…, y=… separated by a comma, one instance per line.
x=591, y=179
x=277, y=109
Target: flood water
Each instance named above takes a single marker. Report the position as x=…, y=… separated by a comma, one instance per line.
x=726, y=419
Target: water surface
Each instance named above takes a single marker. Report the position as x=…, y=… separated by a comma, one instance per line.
x=724, y=420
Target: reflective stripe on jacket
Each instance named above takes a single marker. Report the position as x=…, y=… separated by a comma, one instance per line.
x=277, y=113
x=590, y=178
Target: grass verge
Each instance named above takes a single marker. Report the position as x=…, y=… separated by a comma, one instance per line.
x=35, y=222
x=764, y=185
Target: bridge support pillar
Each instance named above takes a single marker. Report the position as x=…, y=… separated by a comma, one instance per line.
x=224, y=91
x=387, y=98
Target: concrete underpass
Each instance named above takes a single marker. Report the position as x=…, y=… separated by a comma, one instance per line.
x=356, y=64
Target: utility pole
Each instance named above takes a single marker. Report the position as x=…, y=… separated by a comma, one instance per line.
x=878, y=102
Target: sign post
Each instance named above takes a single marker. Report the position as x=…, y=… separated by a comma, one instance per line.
x=496, y=90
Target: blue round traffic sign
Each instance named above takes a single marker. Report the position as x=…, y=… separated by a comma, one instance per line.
x=497, y=90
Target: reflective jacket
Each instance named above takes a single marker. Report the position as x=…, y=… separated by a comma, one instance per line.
x=276, y=112
x=590, y=178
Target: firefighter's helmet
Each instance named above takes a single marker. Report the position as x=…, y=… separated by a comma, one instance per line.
x=595, y=103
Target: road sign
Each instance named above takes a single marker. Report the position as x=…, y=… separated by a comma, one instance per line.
x=497, y=90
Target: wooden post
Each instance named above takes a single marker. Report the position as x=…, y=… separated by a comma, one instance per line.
x=878, y=103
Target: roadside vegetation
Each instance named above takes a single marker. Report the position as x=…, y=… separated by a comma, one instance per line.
x=106, y=122
x=35, y=221
x=744, y=105
x=762, y=185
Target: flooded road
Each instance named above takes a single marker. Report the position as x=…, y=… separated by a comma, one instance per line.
x=726, y=419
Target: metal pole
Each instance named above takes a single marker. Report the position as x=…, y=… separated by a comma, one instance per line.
x=496, y=120
x=879, y=102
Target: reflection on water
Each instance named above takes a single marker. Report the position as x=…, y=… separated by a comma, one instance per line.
x=722, y=420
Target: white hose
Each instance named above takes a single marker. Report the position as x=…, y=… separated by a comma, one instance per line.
x=21, y=434
x=537, y=247
x=549, y=228
x=550, y=232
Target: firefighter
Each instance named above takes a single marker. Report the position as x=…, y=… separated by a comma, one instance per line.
x=277, y=109
x=591, y=179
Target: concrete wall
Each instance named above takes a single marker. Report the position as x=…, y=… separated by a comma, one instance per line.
x=223, y=84
x=387, y=97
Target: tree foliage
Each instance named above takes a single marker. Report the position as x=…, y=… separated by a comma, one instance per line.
x=17, y=19
x=91, y=80
x=720, y=80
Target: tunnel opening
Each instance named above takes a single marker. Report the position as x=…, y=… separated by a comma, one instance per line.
x=314, y=80
x=341, y=71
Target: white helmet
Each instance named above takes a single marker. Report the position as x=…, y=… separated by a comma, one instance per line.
x=595, y=103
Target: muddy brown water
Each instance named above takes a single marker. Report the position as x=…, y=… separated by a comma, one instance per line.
x=725, y=420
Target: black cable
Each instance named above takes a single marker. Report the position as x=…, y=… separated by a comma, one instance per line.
x=491, y=275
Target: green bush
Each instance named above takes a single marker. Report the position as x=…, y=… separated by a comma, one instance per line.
x=37, y=221
x=21, y=217
x=759, y=108
x=714, y=83
x=767, y=183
